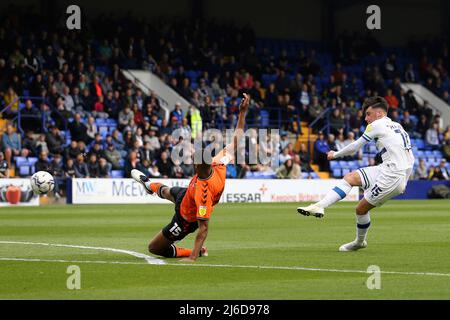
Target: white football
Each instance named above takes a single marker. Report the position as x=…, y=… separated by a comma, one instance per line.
x=42, y=182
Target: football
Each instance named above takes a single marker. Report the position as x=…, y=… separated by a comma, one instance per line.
x=42, y=182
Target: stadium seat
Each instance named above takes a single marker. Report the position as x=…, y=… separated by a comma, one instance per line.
x=345, y=171
x=32, y=160
x=334, y=165
x=117, y=174
x=24, y=171
x=343, y=164
x=337, y=173
x=420, y=144
x=20, y=161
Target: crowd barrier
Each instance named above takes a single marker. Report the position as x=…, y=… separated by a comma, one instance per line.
x=127, y=191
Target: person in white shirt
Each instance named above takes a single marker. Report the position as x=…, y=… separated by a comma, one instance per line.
x=380, y=183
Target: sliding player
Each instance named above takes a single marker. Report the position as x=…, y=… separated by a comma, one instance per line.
x=380, y=183
x=194, y=204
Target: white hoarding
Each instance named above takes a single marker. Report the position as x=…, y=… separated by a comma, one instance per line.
x=86, y=191
x=17, y=192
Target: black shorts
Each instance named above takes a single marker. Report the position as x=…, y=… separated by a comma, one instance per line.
x=178, y=228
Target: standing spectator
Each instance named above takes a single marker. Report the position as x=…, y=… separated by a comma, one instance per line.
x=11, y=143
x=80, y=167
x=321, y=149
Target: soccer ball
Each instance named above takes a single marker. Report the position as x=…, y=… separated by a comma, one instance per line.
x=42, y=182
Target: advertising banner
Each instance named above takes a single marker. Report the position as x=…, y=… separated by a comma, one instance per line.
x=86, y=191
x=17, y=192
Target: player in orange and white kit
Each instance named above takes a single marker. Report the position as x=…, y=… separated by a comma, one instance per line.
x=194, y=204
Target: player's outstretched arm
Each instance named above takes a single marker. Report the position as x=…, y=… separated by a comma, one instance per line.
x=229, y=150
x=348, y=150
x=202, y=233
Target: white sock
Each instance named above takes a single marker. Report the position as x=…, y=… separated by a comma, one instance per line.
x=362, y=227
x=334, y=195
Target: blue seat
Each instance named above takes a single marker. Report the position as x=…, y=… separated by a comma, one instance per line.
x=437, y=154
x=337, y=173
x=121, y=162
x=231, y=171
x=314, y=175
x=32, y=160
x=20, y=161
x=352, y=165
x=24, y=171
x=305, y=175
x=117, y=174
x=345, y=171
x=429, y=154
x=420, y=144
x=421, y=154
x=343, y=164
x=334, y=165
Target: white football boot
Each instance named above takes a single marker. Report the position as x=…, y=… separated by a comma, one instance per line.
x=313, y=210
x=353, y=246
x=142, y=179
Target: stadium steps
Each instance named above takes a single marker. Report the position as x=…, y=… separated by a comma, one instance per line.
x=322, y=174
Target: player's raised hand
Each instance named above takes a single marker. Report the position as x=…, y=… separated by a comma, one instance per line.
x=244, y=103
x=330, y=155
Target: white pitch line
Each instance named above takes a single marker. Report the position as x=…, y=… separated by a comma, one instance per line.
x=149, y=259
x=294, y=268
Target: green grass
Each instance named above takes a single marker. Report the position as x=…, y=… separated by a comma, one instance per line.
x=406, y=236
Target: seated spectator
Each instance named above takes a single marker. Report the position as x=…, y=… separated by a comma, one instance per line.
x=432, y=136
x=164, y=165
x=11, y=99
x=4, y=168
x=41, y=145
x=30, y=118
x=113, y=157
x=11, y=144
x=285, y=155
x=104, y=168
x=55, y=141
x=305, y=158
x=91, y=128
x=99, y=109
x=340, y=142
x=132, y=163
x=391, y=99
x=289, y=170
x=153, y=171
x=125, y=116
x=351, y=139
x=72, y=151
x=336, y=121
x=443, y=168
x=436, y=173
x=29, y=143
x=176, y=171
x=81, y=168
x=69, y=169
x=78, y=131
x=42, y=164
x=57, y=171
x=93, y=167
x=421, y=171
x=446, y=150
x=321, y=149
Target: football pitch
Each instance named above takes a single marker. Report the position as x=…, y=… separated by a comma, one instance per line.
x=256, y=251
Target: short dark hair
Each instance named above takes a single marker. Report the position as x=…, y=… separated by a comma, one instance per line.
x=375, y=102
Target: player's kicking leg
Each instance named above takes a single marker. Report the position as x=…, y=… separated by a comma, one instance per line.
x=159, y=189
x=336, y=194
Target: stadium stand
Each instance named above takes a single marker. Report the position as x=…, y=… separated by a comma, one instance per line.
x=53, y=81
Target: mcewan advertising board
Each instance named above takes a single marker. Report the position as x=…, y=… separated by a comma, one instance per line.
x=17, y=192
x=86, y=191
